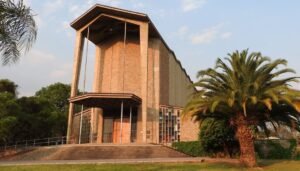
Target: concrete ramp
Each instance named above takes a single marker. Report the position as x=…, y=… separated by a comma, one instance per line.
x=92, y=152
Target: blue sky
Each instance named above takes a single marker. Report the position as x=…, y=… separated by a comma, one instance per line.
x=198, y=31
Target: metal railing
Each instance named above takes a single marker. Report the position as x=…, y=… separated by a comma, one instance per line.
x=50, y=141
x=34, y=143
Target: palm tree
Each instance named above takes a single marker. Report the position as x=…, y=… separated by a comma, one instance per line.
x=246, y=90
x=17, y=30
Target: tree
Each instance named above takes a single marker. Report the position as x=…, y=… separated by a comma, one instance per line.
x=17, y=30
x=247, y=90
x=8, y=108
x=8, y=86
x=57, y=96
x=33, y=119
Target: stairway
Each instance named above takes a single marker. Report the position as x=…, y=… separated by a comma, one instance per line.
x=92, y=152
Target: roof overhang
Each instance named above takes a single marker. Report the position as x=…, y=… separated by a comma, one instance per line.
x=103, y=100
x=98, y=9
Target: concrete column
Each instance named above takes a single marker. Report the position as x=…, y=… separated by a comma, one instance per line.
x=157, y=44
x=144, y=76
x=75, y=79
x=97, y=113
x=97, y=70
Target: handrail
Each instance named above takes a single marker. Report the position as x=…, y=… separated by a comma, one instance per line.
x=50, y=141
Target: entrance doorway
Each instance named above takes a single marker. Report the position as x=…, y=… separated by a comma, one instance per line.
x=112, y=126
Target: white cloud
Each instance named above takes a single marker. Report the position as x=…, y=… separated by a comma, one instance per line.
x=37, y=57
x=66, y=29
x=137, y=4
x=63, y=71
x=52, y=6
x=65, y=25
x=109, y=2
x=77, y=9
x=226, y=35
x=182, y=31
x=208, y=35
x=205, y=37
x=190, y=5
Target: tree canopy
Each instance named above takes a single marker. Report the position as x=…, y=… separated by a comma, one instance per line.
x=39, y=116
x=8, y=86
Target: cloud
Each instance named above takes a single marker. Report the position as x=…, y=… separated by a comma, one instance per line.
x=51, y=7
x=79, y=8
x=208, y=35
x=136, y=4
x=37, y=57
x=65, y=27
x=190, y=5
x=182, y=31
x=64, y=71
x=226, y=35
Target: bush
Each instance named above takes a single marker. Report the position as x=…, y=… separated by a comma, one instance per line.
x=276, y=149
x=192, y=148
x=218, y=139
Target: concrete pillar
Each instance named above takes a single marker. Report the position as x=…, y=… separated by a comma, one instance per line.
x=156, y=92
x=75, y=79
x=144, y=76
x=97, y=113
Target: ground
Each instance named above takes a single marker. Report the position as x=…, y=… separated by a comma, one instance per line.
x=264, y=165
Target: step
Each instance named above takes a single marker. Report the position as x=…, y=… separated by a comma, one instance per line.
x=92, y=152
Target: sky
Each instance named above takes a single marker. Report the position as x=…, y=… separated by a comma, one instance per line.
x=198, y=31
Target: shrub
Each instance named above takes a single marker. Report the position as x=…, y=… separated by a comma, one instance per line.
x=218, y=138
x=276, y=149
x=192, y=148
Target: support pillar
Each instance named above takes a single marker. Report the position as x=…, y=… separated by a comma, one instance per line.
x=97, y=113
x=121, y=126
x=130, y=123
x=144, y=76
x=75, y=79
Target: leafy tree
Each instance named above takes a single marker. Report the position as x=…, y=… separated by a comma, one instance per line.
x=247, y=90
x=8, y=86
x=57, y=97
x=216, y=137
x=33, y=119
x=8, y=108
x=17, y=29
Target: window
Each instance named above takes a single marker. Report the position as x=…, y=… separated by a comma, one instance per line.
x=169, y=125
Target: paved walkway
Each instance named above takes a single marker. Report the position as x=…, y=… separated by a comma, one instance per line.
x=119, y=161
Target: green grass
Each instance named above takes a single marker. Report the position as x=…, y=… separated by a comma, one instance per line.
x=266, y=165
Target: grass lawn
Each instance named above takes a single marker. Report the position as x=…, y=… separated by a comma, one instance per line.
x=265, y=165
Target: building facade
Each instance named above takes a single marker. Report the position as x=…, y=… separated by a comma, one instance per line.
x=139, y=87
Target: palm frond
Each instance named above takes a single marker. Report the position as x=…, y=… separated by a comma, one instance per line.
x=18, y=30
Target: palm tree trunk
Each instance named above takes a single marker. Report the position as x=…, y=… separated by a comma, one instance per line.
x=245, y=138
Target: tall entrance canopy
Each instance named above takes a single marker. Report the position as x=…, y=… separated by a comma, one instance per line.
x=139, y=87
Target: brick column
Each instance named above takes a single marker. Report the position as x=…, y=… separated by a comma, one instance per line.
x=75, y=79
